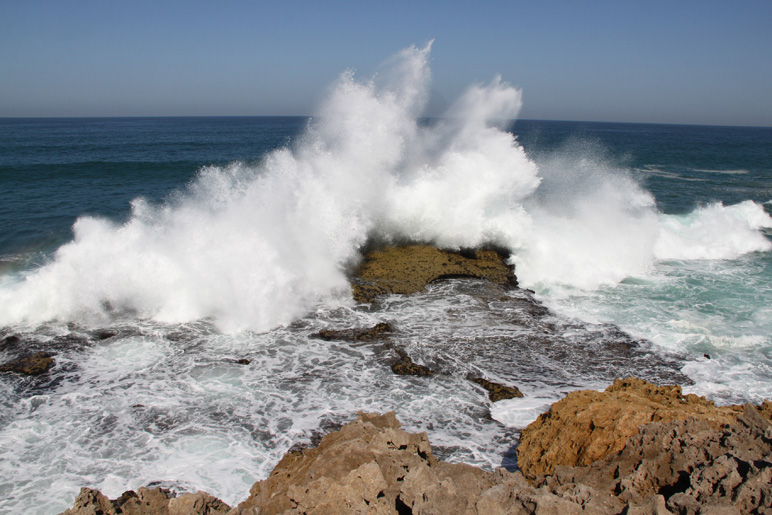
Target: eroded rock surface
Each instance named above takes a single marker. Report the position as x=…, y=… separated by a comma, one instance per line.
x=586, y=425
x=408, y=269
x=692, y=466
x=372, y=466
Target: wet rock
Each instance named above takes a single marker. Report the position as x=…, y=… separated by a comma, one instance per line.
x=378, y=331
x=243, y=361
x=406, y=367
x=9, y=342
x=408, y=269
x=35, y=364
x=104, y=334
x=496, y=391
x=588, y=425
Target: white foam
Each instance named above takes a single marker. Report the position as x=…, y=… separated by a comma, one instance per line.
x=714, y=231
x=255, y=247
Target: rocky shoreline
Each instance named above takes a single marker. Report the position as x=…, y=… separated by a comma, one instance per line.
x=635, y=448
x=708, y=459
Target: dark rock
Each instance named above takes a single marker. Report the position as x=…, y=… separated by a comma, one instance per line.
x=10, y=341
x=35, y=364
x=243, y=361
x=104, y=334
x=496, y=391
x=406, y=367
x=380, y=330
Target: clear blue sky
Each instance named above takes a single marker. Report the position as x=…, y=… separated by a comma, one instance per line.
x=707, y=62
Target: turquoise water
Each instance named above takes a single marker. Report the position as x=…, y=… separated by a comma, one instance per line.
x=150, y=255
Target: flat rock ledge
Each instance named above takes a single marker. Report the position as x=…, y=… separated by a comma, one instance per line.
x=685, y=466
x=408, y=269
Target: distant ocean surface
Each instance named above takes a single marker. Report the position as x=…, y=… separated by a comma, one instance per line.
x=151, y=254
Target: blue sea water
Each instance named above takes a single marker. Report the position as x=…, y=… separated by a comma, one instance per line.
x=150, y=255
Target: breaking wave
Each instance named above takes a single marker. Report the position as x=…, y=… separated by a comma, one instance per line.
x=256, y=246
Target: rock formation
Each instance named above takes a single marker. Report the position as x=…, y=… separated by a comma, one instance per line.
x=497, y=392
x=32, y=365
x=586, y=425
x=406, y=367
x=378, y=331
x=408, y=269
x=372, y=466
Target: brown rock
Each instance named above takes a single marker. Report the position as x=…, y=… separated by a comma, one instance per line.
x=496, y=391
x=35, y=364
x=372, y=466
x=406, y=367
x=380, y=330
x=684, y=466
x=587, y=425
x=146, y=501
x=408, y=269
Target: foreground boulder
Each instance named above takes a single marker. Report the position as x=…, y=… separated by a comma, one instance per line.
x=687, y=466
x=587, y=425
x=408, y=269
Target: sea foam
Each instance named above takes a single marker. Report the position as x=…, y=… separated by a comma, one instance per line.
x=254, y=247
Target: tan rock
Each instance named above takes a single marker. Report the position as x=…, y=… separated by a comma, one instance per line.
x=408, y=269
x=587, y=425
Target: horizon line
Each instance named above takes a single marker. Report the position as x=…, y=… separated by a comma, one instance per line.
x=513, y=120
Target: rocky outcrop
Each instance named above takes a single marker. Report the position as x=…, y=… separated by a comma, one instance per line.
x=497, y=392
x=688, y=465
x=586, y=425
x=33, y=365
x=697, y=465
x=378, y=331
x=146, y=501
x=408, y=269
x=372, y=466
x=406, y=367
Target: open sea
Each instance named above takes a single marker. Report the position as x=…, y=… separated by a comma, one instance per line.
x=151, y=255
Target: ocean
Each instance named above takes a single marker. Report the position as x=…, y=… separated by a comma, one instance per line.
x=152, y=256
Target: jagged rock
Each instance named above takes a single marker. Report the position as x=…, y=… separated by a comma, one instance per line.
x=32, y=365
x=408, y=269
x=380, y=330
x=146, y=501
x=496, y=391
x=406, y=367
x=693, y=467
x=372, y=466
x=587, y=425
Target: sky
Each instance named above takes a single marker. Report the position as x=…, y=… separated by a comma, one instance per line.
x=693, y=62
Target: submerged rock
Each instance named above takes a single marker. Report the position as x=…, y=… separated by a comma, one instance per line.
x=496, y=391
x=587, y=425
x=380, y=330
x=408, y=269
x=406, y=367
x=35, y=364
